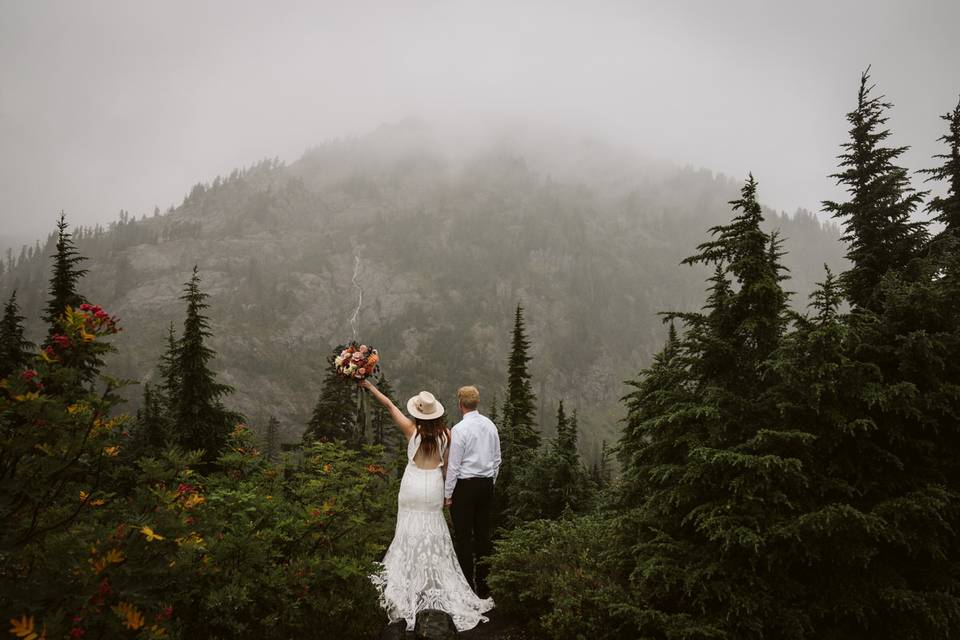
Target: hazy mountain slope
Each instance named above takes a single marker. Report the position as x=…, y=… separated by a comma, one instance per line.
x=586, y=237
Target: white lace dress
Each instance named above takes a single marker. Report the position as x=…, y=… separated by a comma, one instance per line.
x=420, y=569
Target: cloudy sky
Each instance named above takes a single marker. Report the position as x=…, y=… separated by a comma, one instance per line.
x=110, y=104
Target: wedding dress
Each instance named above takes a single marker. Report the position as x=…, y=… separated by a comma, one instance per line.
x=420, y=569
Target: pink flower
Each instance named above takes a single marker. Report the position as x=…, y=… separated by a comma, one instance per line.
x=62, y=341
x=363, y=348
x=28, y=374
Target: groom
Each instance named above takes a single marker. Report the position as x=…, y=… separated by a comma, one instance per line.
x=471, y=472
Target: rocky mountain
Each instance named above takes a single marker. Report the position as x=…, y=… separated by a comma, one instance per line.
x=444, y=237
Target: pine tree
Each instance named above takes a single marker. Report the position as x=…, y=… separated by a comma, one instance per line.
x=552, y=481
x=202, y=422
x=705, y=462
x=876, y=219
x=520, y=404
x=14, y=348
x=335, y=413
x=946, y=208
x=385, y=433
x=152, y=427
x=566, y=434
x=271, y=440
x=169, y=372
x=63, y=282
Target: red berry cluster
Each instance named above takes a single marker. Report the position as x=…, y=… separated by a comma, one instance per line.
x=185, y=488
x=98, y=320
x=30, y=375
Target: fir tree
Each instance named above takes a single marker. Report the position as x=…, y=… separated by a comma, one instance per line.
x=169, y=371
x=14, y=348
x=271, y=440
x=151, y=428
x=385, y=433
x=552, y=481
x=520, y=404
x=202, y=422
x=705, y=462
x=494, y=410
x=335, y=412
x=566, y=434
x=946, y=208
x=63, y=282
x=876, y=219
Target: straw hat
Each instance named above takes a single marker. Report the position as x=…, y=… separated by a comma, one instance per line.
x=424, y=406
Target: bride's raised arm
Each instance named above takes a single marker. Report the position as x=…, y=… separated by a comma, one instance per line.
x=406, y=425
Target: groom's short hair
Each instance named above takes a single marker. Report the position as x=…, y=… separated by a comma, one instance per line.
x=469, y=397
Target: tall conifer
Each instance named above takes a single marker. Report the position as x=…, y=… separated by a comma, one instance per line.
x=876, y=218
x=271, y=440
x=63, y=281
x=946, y=208
x=202, y=422
x=520, y=405
x=14, y=348
x=335, y=412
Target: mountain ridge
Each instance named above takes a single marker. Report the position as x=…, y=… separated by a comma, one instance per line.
x=448, y=246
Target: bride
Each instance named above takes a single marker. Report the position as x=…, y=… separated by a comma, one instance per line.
x=420, y=569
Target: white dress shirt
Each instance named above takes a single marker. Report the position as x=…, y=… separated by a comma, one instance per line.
x=474, y=450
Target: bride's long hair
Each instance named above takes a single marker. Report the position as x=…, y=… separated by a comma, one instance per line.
x=432, y=433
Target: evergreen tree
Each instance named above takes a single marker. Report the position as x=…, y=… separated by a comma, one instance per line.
x=271, y=440
x=385, y=433
x=552, y=481
x=494, y=411
x=946, y=208
x=14, y=348
x=63, y=282
x=876, y=219
x=152, y=427
x=566, y=434
x=202, y=422
x=705, y=462
x=518, y=437
x=520, y=404
x=335, y=413
x=169, y=372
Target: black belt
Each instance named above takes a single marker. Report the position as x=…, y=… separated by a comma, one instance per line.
x=476, y=478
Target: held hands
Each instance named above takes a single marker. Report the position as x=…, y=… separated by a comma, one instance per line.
x=448, y=502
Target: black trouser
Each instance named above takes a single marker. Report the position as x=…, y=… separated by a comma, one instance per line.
x=470, y=513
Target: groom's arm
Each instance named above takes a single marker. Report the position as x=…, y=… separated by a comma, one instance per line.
x=453, y=464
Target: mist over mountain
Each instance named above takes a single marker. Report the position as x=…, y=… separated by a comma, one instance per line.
x=445, y=236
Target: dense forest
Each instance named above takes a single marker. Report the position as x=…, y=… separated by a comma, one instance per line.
x=585, y=236
x=786, y=469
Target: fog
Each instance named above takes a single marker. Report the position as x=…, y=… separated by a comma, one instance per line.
x=113, y=105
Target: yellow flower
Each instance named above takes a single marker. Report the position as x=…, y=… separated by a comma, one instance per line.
x=131, y=616
x=113, y=556
x=112, y=451
x=193, y=500
x=150, y=534
x=24, y=628
x=96, y=502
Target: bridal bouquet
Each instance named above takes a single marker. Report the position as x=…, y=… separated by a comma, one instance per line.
x=357, y=361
